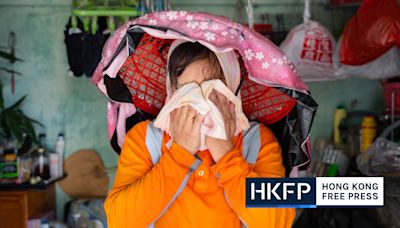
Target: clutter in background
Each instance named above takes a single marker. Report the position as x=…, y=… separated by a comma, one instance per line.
x=92, y=23
x=370, y=44
x=385, y=66
x=83, y=46
x=373, y=31
x=382, y=158
x=353, y=133
x=87, y=176
x=24, y=157
x=310, y=46
x=86, y=213
x=391, y=91
x=31, y=163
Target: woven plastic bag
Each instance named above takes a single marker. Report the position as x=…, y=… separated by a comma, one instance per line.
x=383, y=156
x=310, y=46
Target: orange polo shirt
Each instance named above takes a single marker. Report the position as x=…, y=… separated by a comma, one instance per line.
x=141, y=191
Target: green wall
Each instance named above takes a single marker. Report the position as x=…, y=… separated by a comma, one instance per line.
x=60, y=102
x=74, y=106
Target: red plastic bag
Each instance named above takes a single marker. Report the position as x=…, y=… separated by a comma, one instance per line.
x=371, y=32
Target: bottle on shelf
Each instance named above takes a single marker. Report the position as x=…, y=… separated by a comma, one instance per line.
x=340, y=114
x=367, y=133
x=41, y=164
x=60, y=148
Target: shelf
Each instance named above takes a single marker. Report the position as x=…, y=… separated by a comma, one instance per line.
x=106, y=11
x=26, y=186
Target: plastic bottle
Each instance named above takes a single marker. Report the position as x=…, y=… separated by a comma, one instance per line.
x=41, y=163
x=367, y=133
x=54, y=165
x=60, y=147
x=340, y=114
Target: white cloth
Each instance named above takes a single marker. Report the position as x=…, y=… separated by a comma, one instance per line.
x=197, y=96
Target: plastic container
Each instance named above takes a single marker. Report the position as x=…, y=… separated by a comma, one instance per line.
x=41, y=164
x=340, y=114
x=392, y=97
x=367, y=133
x=54, y=165
x=60, y=147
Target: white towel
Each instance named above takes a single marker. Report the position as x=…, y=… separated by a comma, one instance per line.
x=197, y=96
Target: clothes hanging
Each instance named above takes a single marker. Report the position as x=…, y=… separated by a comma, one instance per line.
x=83, y=48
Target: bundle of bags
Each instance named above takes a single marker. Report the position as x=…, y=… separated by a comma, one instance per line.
x=371, y=40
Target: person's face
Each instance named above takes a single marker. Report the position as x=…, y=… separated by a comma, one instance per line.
x=197, y=71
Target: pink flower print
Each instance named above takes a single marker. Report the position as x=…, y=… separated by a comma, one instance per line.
x=152, y=22
x=203, y=25
x=233, y=32
x=192, y=24
x=215, y=27
x=182, y=13
x=249, y=54
x=259, y=56
x=189, y=18
x=224, y=33
x=209, y=36
x=265, y=65
x=172, y=15
x=286, y=59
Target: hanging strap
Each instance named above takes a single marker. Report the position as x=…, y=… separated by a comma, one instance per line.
x=192, y=168
x=250, y=13
x=306, y=13
x=251, y=143
x=250, y=148
x=153, y=142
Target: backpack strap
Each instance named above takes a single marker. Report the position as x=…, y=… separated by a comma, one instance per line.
x=251, y=143
x=250, y=147
x=153, y=143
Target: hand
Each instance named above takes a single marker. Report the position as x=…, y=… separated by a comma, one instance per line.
x=185, y=128
x=219, y=147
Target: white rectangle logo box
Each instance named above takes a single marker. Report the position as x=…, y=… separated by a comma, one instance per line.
x=349, y=191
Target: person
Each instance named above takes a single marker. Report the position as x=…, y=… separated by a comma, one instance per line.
x=214, y=195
